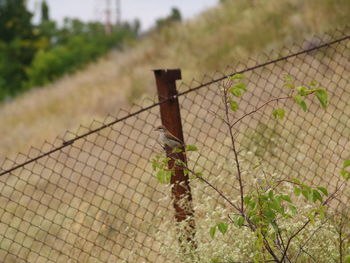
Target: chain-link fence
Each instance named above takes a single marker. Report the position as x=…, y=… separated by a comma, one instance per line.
x=92, y=196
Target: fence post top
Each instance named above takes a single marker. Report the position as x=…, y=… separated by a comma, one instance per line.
x=174, y=74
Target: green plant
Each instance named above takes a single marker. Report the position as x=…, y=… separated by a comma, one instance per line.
x=276, y=211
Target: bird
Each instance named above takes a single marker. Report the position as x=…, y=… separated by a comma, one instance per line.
x=168, y=139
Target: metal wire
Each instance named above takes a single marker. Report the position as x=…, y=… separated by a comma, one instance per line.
x=94, y=198
x=66, y=143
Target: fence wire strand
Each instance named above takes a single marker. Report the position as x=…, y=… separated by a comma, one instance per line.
x=94, y=197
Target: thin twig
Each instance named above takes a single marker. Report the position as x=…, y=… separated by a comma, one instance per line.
x=239, y=174
x=258, y=108
x=308, y=221
x=308, y=239
x=207, y=182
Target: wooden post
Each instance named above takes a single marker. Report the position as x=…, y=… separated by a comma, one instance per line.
x=171, y=119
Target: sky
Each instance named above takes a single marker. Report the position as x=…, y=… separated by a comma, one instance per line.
x=147, y=11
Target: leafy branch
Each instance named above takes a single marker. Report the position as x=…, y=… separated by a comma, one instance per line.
x=261, y=209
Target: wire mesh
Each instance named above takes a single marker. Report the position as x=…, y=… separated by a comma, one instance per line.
x=92, y=196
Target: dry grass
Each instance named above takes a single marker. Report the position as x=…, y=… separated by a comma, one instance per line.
x=96, y=201
x=220, y=37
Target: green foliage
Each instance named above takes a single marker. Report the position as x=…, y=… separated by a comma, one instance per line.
x=300, y=101
x=345, y=172
x=322, y=96
x=17, y=46
x=74, y=52
x=302, y=93
x=278, y=113
x=160, y=166
x=237, y=76
x=239, y=220
x=175, y=16
x=221, y=226
x=309, y=193
x=233, y=105
x=190, y=148
x=267, y=204
x=164, y=176
x=212, y=231
x=36, y=55
x=237, y=89
x=44, y=12
x=346, y=164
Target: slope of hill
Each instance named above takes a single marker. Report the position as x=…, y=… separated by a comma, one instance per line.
x=232, y=32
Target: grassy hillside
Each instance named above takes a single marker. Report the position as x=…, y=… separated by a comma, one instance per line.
x=96, y=200
x=229, y=33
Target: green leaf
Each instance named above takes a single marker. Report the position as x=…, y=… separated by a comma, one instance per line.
x=199, y=174
x=347, y=259
x=288, y=81
x=164, y=176
x=241, y=85
x=270, y=194
x=180, y=163
x=236, y=92
x=212, y=231
x=177, y=150
x=277, y=206
x=278, y=113
x=301, y=90
x=269, y=215
x=289, y=85
x=233, y=105
x=322, y=96
x=247, y=199
x=293, y=209
x=316, y=196
x=240, y=221
x=323, y=190
x=288, y=77
x=299, y=100
x=155, y=164
x=286, y=198
x=306, y=193
x=297, y=181
x=222, y=227
x=191, y=148
x=303, y=106
x=237, y=76
x=275, y=228
x=313, y=83
x=346, y=164
x=297, y=191
x=345, y=174
x=252, y=204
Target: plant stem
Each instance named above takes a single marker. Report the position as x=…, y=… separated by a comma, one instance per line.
x=239, y=174
x=259, y=108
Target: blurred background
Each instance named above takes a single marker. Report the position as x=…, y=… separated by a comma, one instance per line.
x=64, y=63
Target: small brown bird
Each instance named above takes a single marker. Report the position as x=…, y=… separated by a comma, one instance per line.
x=166, y=138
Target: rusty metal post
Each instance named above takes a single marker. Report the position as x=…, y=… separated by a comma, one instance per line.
x=171, y=119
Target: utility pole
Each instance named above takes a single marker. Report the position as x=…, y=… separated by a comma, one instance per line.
x=119, y=11
x=108, y=17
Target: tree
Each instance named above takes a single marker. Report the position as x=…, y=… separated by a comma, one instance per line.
x=175, y=16
x=44, y=12
x=17, y=46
